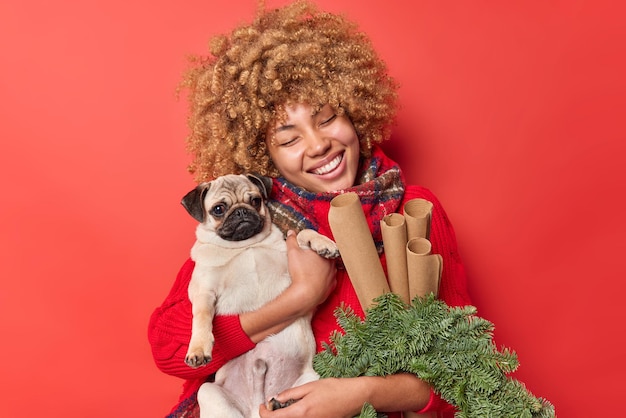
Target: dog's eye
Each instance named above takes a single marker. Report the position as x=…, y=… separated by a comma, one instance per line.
x=218, y=210
x=256, y=202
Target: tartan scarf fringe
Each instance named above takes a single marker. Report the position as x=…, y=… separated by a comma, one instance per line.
x=188, y=408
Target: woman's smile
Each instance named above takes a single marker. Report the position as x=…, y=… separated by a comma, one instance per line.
x=329, y=167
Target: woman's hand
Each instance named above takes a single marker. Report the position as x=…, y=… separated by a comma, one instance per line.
x=337, y=398
x=313, y=277
x=344, y=398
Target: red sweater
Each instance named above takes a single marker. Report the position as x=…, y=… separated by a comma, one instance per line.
x=170, y=325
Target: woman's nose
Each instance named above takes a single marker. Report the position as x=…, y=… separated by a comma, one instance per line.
x=318, y=144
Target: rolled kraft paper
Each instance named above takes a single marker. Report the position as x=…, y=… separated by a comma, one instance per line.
x=418, y=213
x=393, y=228
x=357, y=248
x=424, y=268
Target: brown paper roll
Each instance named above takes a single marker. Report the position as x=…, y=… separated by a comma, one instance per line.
x=424, y=268
x=418, y=213
x=393, y=228
x=356, y=246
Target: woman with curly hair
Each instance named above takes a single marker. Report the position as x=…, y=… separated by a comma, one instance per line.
x=300, y=95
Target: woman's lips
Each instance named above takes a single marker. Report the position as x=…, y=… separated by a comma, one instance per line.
x=328, y=167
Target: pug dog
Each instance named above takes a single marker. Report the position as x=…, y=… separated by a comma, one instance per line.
x=240, y=265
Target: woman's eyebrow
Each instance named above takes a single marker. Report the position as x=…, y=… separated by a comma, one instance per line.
x=286, y=127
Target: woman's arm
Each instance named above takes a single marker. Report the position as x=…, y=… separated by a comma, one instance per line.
x=313, y=278
x=169, y=331
x=345, y=397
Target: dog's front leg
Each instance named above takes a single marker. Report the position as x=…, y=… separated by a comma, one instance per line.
x=203, y=310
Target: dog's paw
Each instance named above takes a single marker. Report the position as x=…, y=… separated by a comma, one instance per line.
x=324, y=246
x=197, y=357
x=273, y=404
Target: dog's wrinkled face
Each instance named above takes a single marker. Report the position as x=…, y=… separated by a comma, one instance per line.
x=232, y=206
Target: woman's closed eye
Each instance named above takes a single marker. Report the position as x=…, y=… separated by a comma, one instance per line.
x=328, y=120
x=288, y=142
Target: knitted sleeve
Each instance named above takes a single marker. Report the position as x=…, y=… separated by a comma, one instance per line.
x=169, y=332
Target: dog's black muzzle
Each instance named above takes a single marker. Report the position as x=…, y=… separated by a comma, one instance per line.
x=241, y=224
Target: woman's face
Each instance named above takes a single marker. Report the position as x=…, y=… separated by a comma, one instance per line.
x=318, y=152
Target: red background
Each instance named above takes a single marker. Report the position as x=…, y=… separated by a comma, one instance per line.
x=513, y=114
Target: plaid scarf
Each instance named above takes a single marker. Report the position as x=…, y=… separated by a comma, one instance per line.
x=380, y=187
x=188, y=408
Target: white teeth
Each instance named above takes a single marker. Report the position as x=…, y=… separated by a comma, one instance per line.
x=329, y=167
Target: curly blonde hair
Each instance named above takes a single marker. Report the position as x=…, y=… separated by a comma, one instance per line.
x=294, y=54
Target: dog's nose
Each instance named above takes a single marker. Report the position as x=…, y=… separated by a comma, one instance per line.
x=242, y=213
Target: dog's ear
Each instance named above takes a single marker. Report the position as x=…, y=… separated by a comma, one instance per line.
x=264, y=183
x=194, y=201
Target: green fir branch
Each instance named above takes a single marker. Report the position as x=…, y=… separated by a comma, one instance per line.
x=451, y=348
